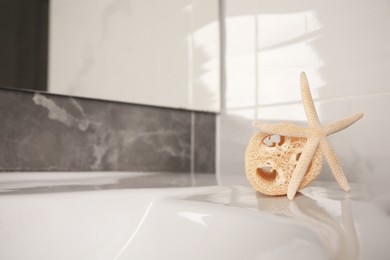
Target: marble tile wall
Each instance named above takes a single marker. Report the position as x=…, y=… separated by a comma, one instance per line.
x=45, y=132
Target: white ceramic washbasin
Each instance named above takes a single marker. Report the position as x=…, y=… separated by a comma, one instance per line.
x=191, y=223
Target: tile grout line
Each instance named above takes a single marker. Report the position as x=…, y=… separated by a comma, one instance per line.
x=222, y=94
x=192, y=150
x=328, y=99
x=217, y=149
x=222, y=55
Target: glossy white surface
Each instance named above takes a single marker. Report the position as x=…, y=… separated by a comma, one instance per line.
x=344, y=47
x=163, y=53
x=216, y=222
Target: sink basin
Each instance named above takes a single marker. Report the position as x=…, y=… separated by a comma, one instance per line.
x=215, y=222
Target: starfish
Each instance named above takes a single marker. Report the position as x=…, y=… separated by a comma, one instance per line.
x=316, y=136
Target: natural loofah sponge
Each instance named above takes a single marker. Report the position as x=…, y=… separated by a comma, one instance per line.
x=270, y=161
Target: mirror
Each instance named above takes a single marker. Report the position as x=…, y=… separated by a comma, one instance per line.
x=161, y=53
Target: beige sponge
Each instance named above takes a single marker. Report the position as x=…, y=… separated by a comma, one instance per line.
x=271, y=159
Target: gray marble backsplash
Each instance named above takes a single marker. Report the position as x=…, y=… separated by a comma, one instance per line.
x=46, y=132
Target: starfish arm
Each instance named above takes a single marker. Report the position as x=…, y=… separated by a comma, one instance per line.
x=334, y=164
x=301, y=167
x=342, y=124
x=284, y=129
x=308, y=103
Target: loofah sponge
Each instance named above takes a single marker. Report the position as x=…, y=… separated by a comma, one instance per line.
x=271, y=160
x=284, y=158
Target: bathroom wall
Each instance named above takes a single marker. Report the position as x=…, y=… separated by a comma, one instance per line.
x=136, y=51
x=343, y=46
x=46, y=132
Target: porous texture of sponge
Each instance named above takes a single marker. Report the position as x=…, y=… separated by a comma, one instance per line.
x=270, y=161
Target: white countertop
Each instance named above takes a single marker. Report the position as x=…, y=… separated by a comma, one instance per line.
x=322, y=222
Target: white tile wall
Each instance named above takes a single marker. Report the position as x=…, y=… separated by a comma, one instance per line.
x=343, y=46
x=163, y=53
